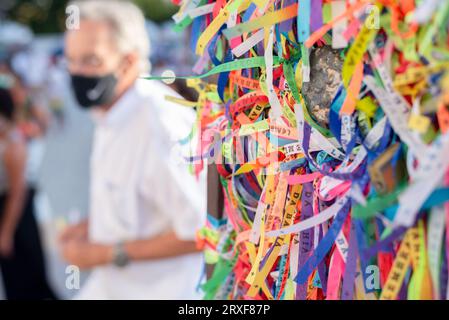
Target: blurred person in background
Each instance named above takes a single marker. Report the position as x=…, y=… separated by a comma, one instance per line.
x=145, y=208
x=33, y=121
x=21, y=255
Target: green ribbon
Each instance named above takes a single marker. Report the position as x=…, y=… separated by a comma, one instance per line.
x=376, y=204
x=247, y=63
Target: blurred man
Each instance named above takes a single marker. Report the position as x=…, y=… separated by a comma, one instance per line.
x=145, y=208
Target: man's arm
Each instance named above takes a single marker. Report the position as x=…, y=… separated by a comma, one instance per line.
x=162, y=246
x=86, y=254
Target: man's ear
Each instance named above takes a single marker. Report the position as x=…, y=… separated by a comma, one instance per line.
x=131, y=62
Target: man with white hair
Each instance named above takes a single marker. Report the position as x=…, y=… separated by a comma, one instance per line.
x=145, y=208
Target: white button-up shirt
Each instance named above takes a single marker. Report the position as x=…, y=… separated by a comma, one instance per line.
x=139, y=189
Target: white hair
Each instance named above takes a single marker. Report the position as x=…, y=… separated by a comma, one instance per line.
x=128, y=25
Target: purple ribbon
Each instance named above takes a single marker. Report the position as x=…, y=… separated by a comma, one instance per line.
x=444, y=274
x=305, y=237
x=347, y=292
x=286, y=26
x=316, y=16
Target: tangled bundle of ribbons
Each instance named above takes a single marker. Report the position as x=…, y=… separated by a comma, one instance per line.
x=352, y=207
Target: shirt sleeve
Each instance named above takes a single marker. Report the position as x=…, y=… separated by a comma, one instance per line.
x=177, y=193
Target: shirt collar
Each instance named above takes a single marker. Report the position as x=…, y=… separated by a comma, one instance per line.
x=120, y=111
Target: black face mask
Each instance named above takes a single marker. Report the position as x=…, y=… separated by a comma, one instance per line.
x=94, y=91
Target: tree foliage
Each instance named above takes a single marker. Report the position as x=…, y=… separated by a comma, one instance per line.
x=48, y=16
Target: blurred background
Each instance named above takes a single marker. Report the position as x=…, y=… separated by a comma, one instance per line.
x=31, y=42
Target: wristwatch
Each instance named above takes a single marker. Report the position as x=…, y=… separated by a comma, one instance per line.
x=121, y=258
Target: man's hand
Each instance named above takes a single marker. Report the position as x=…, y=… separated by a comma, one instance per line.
x=85, y=254
x=75, y=232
